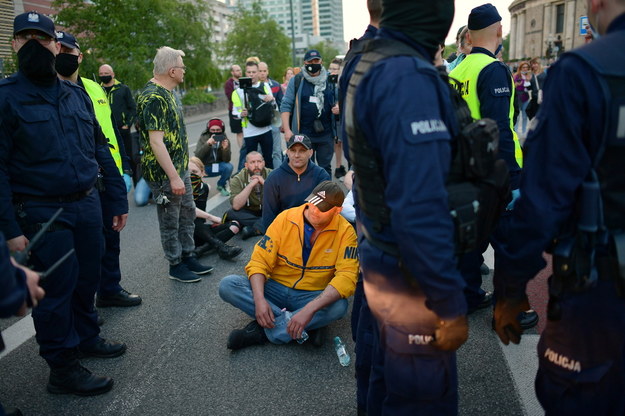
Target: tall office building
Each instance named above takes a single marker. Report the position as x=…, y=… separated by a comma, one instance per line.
x=313, y=20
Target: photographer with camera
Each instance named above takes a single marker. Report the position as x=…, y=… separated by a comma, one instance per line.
x=213, y=149
x=254, y=102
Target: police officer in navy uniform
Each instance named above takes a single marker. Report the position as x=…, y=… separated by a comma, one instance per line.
x=51, y=154
x=574, y=161
x=415, y=294
x=487, y=87
x=114, y=214
x=361, y=320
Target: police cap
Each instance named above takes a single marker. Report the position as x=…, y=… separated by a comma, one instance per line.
x=67, y=40
x=483, y=16
x=35, y=21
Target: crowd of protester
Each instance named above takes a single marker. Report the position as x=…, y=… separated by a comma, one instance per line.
x=410, y=310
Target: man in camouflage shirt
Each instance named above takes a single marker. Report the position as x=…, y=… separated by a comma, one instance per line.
x=166, y=162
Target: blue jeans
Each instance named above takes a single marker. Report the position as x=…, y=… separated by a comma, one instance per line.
x=265, y=141
x=142, y=193
x=324, y=151
x=277, y=147
x=237, y=291
x=225, y=170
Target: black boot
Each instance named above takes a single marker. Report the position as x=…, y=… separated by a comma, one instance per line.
x=227, y=252
x=76, y=379
x=224, y=250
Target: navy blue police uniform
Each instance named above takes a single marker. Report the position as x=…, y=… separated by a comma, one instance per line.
x=414, y=145
x=494, y=88
x=362, y=321
x=582, y=349
x=346, y=74
x=110, y=274
x=49, y=159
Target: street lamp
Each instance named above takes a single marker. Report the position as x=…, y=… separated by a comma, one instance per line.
x=292, y=33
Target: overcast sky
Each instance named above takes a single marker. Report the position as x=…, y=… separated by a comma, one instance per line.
x=356, y=17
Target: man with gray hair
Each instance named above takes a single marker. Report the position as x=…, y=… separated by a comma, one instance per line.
x=166, y=164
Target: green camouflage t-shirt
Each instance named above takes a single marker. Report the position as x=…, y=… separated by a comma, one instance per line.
x=159, y=109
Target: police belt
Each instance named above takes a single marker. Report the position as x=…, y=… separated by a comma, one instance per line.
x=76, y=196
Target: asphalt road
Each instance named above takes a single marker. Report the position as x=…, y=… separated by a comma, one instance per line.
x=177, y=361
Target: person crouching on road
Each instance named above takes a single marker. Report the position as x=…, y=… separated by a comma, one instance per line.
x=209, y=236
x=305, y=265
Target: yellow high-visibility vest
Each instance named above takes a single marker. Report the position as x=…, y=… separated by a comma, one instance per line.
x=103, y=115
x=467, y=73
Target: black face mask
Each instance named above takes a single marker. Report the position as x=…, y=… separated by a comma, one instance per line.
x=66, y=64
x=105, y=79
x=313, y=68
x=36, y=62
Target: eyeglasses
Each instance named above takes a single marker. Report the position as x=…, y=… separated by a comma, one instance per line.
x=43, y=39
x=184, y=68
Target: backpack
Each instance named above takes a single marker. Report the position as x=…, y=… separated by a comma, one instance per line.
x=260, y=113
x=477, y=184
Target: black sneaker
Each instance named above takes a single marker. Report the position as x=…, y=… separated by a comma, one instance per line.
x=203, y=250
x=227, y=252
x=181, y=273
x=195, y=266
x=252, y=334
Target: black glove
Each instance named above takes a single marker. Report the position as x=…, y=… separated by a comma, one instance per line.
x=505, y=321
x=450, y=334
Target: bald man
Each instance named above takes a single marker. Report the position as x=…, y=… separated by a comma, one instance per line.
x=124, y=111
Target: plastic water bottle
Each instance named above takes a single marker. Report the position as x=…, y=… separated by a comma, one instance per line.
x=287, y=318
x=341, y=352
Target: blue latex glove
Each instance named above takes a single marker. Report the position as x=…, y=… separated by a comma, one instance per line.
x=516, y=193
x=128, y=181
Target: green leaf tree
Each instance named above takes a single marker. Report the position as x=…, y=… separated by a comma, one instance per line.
x=254, y=33
x=126, y=34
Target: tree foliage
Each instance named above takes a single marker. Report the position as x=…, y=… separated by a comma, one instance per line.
x=126, y=34
x=254, y=33
x=326, y=50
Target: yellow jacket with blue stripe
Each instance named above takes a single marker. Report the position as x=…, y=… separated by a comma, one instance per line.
x=333, y=259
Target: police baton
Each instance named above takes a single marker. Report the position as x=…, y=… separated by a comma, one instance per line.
x=21, y=257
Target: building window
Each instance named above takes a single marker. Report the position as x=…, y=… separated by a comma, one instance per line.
x=560, y=18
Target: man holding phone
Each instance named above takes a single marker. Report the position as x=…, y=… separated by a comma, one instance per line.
x=213, y=149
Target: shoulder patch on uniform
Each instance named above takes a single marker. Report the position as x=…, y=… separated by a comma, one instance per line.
x=427, y=126
x=501, y=91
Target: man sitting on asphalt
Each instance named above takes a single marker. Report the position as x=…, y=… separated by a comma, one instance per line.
x=287, y=186
x=246, y=195
x=305, y=265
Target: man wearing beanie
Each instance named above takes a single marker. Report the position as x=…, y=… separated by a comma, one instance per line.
x=486, y=85
x=401, y=160
x=39, y=177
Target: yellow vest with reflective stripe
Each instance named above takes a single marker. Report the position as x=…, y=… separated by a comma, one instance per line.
x=467, y=73
x=103, y=115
